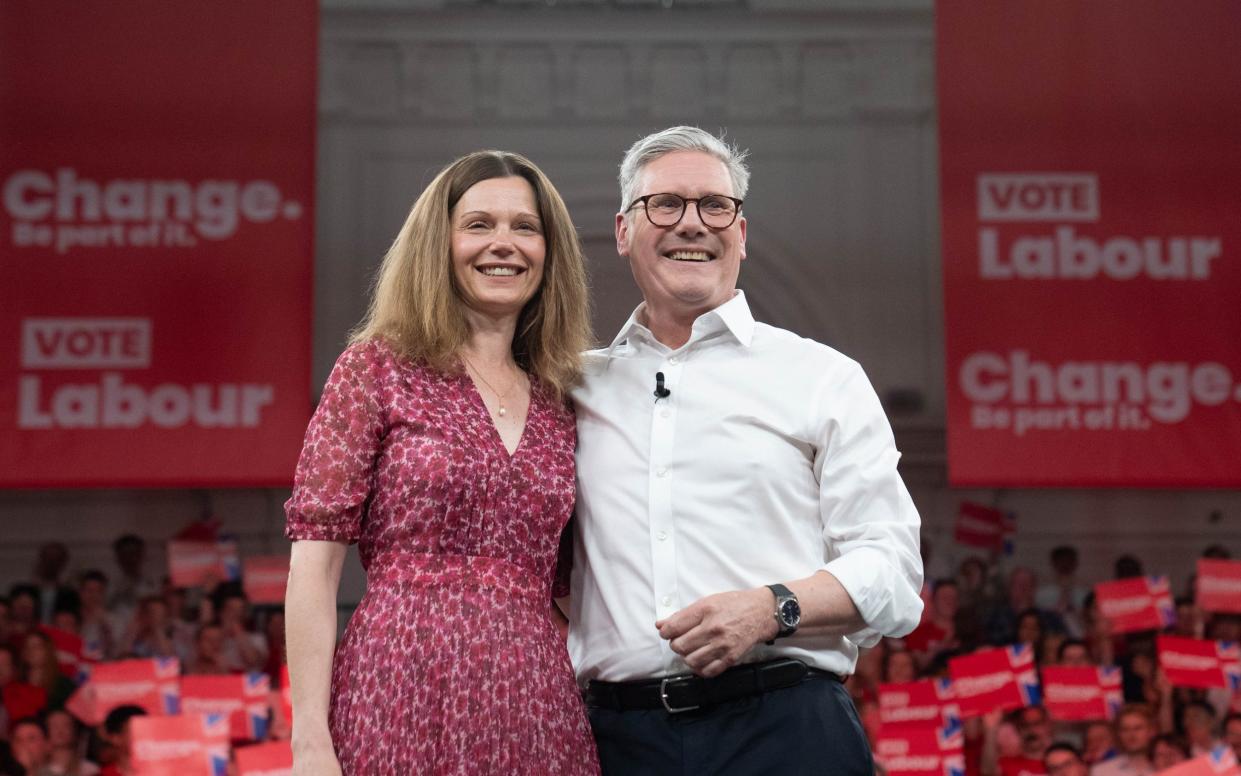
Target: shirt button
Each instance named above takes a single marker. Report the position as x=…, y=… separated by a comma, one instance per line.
x=661, y=472
x=667, y=601
x=665, y=413
x=662, y=535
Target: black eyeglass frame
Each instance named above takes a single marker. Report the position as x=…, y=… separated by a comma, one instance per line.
x=685, y=206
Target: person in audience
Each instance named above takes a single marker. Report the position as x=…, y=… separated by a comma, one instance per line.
x=1097, y=633
x=5, y=619
x=1098, y=742
x=1135, y=729
x=97, y=629
x=67, y=615
x=28, y=739
x=1166, y=750
x=49, y=568
x=1033, y=727
x=1064, y=594
x=1029, y=629
x=1232, y=732
x=116, y=733
x=274, y=633
x=41, y=668
x=1189, y=620
x=242, y=650
x=208, y=652
x=1002, y=619
x=1197, y=720
x=1063, y=759
x=23, y=612
x=936, y=632
x=899, y=666
x=1073, y=652
x=973, y=583
x=152, y=633
x=1127, y=567
x=64, y=738
x=132, y=583
x=19, y=698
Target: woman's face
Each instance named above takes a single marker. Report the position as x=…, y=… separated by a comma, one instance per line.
x=1028, y=630
x=498, y=247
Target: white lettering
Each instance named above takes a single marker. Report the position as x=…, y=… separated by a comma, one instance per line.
x=114, y=403
x=84, y=343
x=1065, y=255
x=1167, y=390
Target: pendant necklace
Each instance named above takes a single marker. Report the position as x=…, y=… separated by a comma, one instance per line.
x=499, y=396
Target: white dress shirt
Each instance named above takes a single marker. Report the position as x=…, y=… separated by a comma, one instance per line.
x=771, y=459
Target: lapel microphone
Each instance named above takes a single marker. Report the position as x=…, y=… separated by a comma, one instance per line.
x=660, y=391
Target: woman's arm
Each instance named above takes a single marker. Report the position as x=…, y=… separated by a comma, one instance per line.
x=310, y=636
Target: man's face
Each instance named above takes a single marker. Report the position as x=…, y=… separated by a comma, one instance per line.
x=1075, y=655
x=1035, y=729
x=1232, y=734
x=1064, y=763
x=1134, y=733
x=667, y=261
x=93, y=593
x=29, y=746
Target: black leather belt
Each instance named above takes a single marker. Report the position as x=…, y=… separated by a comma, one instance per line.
x=686, y=692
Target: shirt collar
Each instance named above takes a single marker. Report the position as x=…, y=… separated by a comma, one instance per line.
x=733, y=316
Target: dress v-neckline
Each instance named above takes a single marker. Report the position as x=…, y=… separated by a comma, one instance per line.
x=496, y=436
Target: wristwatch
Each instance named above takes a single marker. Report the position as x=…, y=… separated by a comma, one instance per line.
x=787, y=613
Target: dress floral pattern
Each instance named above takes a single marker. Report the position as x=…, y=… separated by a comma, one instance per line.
x=451, y=663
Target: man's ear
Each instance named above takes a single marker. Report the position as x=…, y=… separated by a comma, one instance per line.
x=622, y=234
x=741, y=221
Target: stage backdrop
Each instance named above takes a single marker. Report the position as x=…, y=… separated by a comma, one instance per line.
x=156, y=185
x=1091, y=192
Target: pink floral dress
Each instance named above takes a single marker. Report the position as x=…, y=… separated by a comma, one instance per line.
x=451, y=663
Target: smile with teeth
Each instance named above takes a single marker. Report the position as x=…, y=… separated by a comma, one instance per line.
x=500, y=272
x=689, y=256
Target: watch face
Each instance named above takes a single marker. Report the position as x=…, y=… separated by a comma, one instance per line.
x=790, y=612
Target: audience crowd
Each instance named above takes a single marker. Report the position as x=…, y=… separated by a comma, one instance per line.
x=118, y=614
x=128, y=613
x=985, y=605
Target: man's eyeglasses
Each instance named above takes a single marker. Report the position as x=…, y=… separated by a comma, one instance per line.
x=715, y=210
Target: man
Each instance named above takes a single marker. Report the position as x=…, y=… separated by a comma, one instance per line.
x=49, y=568
x=1064, y=760
x=738, y=504
x=1135, y=728
x=28, y=738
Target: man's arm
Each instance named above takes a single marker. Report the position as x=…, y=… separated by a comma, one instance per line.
x=871, y=584
x=714, y=632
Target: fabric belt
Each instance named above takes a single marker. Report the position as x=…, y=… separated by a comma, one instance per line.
x=686, y=692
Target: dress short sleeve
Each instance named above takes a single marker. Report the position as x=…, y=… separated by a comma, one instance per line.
x=335, y=472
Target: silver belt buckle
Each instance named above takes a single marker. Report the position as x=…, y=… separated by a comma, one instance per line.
x=663, y=696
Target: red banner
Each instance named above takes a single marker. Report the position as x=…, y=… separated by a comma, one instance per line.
x=1218, y=585
x=265, y=578
x=156, y=186
x=242, y=698
x=274, y=759
x=921, y=751
x=1200, y=662
x=928, y=702
x=983, y=527
x=184, y=745
x=153, y=684
x=1002, y=678
x=1090, y=178
x=203, y=563
x=1074, y=693
x=1136, y=604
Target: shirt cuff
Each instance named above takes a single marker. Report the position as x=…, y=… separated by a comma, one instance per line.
x=887, y=603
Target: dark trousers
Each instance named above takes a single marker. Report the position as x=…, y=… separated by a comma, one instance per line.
x=811, y=728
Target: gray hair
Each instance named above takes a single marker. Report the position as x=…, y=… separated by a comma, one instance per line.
x=682, y=138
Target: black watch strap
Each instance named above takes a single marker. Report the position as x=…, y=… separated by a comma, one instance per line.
x=782, y=595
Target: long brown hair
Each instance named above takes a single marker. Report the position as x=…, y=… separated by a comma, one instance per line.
x=417, y=307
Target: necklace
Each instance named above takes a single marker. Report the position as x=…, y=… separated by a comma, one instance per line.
x=499, y=396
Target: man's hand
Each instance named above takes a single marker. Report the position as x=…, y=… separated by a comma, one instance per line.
x=714, y=632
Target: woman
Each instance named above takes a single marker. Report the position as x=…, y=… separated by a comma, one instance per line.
x=443, y=445
x=64, y=739
x=41, y=669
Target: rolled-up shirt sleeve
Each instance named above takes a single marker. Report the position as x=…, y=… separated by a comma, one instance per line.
x=870, y=525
